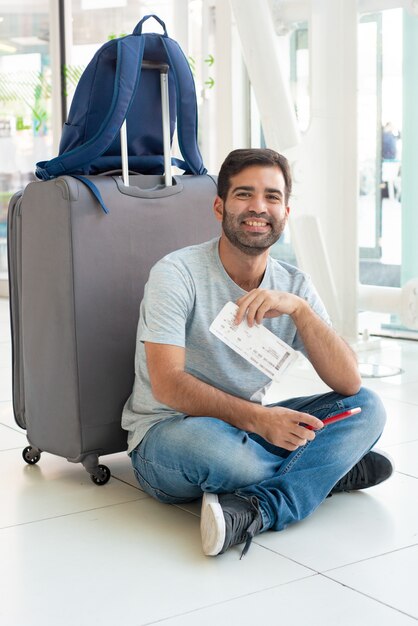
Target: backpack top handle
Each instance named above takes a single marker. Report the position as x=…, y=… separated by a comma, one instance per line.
x=138, y=28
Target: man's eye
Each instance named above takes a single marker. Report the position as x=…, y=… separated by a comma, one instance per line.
x=273, y=198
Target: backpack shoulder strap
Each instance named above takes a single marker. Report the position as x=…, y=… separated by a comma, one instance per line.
x=129, y=54
x=186, y=106
x=186, y=100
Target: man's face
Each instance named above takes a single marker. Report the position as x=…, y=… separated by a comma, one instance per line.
x=255, y=213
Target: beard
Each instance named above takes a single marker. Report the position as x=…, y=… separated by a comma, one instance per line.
x=252, y=243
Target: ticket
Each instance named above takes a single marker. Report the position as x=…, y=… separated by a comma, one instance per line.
x=256, y=344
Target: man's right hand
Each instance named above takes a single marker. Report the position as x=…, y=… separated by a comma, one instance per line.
x=283, y=427
x=178, y=389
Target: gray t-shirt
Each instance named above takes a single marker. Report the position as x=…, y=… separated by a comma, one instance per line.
x=185, y=292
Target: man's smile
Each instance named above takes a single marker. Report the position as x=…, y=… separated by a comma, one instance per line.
x=255, y=223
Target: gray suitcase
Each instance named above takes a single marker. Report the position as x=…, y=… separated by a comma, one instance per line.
x=76, y=281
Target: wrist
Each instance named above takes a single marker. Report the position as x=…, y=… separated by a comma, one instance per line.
x=301, y=310
x=257, y=421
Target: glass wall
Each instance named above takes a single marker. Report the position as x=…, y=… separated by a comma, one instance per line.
x=388, y=134
x=93, y=22
x=386, y=209
x=380, y=146
x=25, y=99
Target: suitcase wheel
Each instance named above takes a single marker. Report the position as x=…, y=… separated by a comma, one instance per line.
x=31, y=455
x=101, y=476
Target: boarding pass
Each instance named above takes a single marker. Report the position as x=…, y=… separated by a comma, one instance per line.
x=256, y=344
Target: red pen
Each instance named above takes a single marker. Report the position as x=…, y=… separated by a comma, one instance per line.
x=337, y=417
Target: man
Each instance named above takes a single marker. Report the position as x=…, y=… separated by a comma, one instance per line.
x=192, y=425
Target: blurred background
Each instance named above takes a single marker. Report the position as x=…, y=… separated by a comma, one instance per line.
x=330, y=83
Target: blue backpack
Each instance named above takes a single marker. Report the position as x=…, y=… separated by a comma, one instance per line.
x=112, y=89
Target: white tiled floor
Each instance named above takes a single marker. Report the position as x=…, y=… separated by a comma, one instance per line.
x=74, y=553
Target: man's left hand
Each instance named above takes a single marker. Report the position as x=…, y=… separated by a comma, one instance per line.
x=260, y=303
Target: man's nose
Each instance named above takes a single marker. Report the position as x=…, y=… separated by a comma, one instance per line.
x=258, y=204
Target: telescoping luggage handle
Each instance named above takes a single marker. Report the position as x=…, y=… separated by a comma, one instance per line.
x=165, y=120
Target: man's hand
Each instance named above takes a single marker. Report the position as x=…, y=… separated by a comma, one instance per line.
x=332, y=358
x=178, y=389
x=260, y=303
x=283, y=427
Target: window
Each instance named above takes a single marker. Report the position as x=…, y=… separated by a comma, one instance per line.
x=25, y=101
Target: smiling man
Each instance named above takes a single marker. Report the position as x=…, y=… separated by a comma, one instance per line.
x=194, y=427
x=250, y=231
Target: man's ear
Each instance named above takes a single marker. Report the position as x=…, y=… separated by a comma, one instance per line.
x=218, y=208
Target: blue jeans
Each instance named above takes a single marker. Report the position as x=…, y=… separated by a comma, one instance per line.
x=181, y=457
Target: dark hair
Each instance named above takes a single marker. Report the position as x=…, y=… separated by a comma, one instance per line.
x=237, y=160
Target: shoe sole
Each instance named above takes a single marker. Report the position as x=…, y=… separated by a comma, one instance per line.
x=212, y=525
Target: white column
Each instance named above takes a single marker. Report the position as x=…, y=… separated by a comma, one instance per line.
x=261, y=53
x=181, y=24
x=231, y=86
x=207, y=117
x=326, y=182
x=223, y=81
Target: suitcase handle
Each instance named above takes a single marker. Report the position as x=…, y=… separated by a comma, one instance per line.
x=154, y=65
x=159, y=191
x=138, y=28
x=165, y=111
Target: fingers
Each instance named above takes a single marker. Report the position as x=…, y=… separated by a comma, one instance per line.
x=254, y=306
x=294, y=441
x=299, y=436
x=243, y=305
x=310, y=422
x=299, y=428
